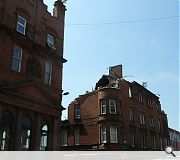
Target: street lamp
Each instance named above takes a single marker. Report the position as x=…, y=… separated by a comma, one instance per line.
x=65, y=94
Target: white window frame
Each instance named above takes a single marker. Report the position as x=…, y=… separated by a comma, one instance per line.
x=113, y=134
x=77, y=114
x=130, y=92
x=64, y=138
x=77, y=136
x=22, y=25
x=49, y=81
x=112, y=105
x=103, y=134
x=50, y=43
x=19, y=59
x=103, y=106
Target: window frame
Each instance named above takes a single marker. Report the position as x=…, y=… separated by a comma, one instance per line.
x=44, y=133
x=131, y=114
x=77, y=111
x=6, y=128
x=103, y=106
x=18, y=59
x=49, y=80
x=51, y=44
x=152, y=122
x=143, y=140
x=142, y=118
x=64, y=137
x=115, y=134
x=153, y=142
x=114, y=105
x=103, y=134
x=129, y=92
x=140, y=97
x=22, y=25
x=77, y=137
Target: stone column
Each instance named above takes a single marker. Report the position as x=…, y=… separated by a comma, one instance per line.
x=37, y=133
x=17, y=131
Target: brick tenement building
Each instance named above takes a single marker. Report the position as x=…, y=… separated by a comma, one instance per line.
x=174, y=139
x=118, y=115
x=31, y=62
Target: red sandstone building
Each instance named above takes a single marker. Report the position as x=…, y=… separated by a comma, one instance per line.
x=31, y=62
x=118, y=115
x=174, y=139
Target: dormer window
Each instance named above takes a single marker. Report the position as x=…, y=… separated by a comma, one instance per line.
x=50, y=41
x=21, y=25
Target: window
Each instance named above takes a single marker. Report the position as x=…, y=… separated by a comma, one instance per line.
x=44, y=137
x=48, y=73
x=77, y=112
x=159, y=124
x=21, y=25
x=50, y=40
x=17, y=58
x=143, y=140
x=113, y=134
x=112, y=106
x=26, y=126
x=64, y=138
x=165, y=142
x=151, y=122
x=161, y=143
x=103, y=106
x=149, y=103
x=5, y=131
x=154, y=142
x=77, y=137
x=142, y=120
x=131, y=114
x=140, y=98
x=130, y=92
x=103, y=134
x=133, y=139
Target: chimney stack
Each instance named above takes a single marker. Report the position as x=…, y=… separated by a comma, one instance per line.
x=116, y=71
x=59, y=9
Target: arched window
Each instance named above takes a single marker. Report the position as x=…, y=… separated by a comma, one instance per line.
x=6, y=131
x=26, y=127
x=44, y=137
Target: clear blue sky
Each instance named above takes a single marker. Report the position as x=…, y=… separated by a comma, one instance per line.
x=148, y=50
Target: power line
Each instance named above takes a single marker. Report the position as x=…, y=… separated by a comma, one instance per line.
x=120, y=22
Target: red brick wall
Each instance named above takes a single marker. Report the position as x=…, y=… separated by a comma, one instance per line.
x=91, y=120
